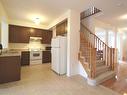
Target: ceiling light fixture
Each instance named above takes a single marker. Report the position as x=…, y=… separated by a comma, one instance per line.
x=119, y=4
x=123, y=29
x=124, y=38
x=125, y=94
x=37, y=21
x=124, y=16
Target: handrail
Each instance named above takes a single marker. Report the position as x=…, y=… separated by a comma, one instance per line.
x=94, y=35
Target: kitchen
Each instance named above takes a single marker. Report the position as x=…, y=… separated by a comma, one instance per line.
x=30, y=47
x=28, y=40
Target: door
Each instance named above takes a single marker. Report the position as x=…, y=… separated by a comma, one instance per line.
x=55, y=59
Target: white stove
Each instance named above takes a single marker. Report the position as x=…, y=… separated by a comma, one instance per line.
x=35, y=50
x=35, y=57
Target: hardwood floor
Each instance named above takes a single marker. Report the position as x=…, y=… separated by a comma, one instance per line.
x=119, y=84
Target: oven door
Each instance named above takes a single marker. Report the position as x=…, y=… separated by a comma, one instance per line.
x=35, y=55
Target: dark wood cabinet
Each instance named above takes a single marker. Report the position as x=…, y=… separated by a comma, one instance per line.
x=61, y=29
x=46, y=37
x=10, y=69
x=25, y=58
x=21, y=34
x=18, y=34
x=46, y=56
x=35, y=32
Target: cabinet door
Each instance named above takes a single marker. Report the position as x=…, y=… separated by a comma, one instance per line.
x=46, y=58
x=46, y=37
x=25, y=58
x=61, y=28
x=10, y=69
x=35, y=32
x=18, y=34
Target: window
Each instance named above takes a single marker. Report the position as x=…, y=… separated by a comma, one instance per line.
x=101, y=33
x=111, y=39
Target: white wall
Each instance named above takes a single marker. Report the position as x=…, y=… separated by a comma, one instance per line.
x=82, y=71
x=94, y=24
x=27, y=24
x=2, y=12
x=3, y=27
x=54, y=31
x=89, y=23
x=122, y=45
x=73, y=42
x=4, y=33
x=59, y=19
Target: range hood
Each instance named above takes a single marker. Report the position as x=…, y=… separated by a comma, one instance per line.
x=35, y=38
x=35, y=43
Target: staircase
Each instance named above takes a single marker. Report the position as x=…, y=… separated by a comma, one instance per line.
x=97, y=58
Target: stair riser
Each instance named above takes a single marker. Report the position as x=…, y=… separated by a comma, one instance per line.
x=101, y=71
x=100, y=64
x=103, y=78
x=85, y=46
x=85, y=49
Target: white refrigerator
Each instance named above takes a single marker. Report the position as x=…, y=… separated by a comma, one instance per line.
x=59, y=55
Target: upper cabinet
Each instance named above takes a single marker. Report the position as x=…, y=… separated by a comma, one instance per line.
x=35, y=32
x=46, y=37
x=20, y=34
x=61, y=29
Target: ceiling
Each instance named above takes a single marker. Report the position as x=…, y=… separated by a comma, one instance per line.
x=112, y=10
x=49, y=10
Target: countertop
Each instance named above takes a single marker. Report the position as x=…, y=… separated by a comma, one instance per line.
x=7, y=54
x=16, y=52
x=21, y=50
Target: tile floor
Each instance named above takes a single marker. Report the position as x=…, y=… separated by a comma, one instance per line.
x=40, y=80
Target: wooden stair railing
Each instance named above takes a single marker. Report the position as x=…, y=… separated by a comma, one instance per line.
x=89, y=12
x=95, y=46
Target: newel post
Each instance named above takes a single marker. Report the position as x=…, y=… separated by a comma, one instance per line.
x=93, y=62
x=113, y=58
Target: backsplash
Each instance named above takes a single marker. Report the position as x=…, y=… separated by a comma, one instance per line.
x=26, y=46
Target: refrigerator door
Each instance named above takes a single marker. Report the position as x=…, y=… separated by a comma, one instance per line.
x=63, y=55
x=55, y=43
x=55, y=59
x=59, y=55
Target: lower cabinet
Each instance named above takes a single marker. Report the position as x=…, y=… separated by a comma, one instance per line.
x=10, y=69
x=46, y=56
x=25, y=58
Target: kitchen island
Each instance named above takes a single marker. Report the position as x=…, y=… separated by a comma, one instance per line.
x=10, y=68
